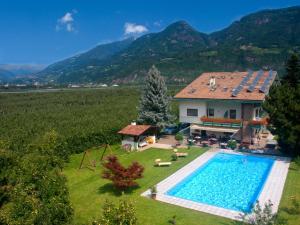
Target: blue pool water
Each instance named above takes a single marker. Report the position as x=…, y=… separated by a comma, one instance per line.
x=227, y=180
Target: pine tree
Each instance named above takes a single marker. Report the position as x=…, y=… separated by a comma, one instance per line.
x=283, y=107
x=292, y=77
x=155, y=103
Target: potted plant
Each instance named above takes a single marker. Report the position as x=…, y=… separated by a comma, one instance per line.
x=232, y=144
x=153, y=191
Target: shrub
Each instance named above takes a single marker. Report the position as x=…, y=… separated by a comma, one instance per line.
x=232, y=144
x=297, y=160
x=262, y=216
x=174, y=157
x=122, y=177
x=179, y=136
x=122, y=214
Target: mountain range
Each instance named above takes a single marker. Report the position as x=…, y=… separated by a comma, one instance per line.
x=9, y=72
x=259, y=40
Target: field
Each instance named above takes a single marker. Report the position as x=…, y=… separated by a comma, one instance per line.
x=24, y=117
x=78, y=116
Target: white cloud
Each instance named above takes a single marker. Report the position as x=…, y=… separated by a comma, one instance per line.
x=132, y=28
x=67, y=18
x=66, y=22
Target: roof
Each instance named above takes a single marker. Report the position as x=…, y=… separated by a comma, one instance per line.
x=225, y=83
x=134, y=130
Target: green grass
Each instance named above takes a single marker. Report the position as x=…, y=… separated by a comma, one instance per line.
x=88, y=190
x=291, y=191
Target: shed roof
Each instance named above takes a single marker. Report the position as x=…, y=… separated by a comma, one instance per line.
x=134, y=130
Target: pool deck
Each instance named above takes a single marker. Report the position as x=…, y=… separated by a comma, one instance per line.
x=272, y=189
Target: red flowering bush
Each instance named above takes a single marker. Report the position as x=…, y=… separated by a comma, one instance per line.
x=121, y=177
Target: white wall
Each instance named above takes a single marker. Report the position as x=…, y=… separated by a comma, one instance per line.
x=221, y=107
x=183, y=106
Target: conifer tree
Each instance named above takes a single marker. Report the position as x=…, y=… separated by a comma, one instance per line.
x=292, y=77
x=154, y=106
x=283, y=107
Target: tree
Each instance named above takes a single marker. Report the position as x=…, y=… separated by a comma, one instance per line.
x=283, y=106
x=33, y=189
x=155, y=103
x=292, y=77
x=122, y=177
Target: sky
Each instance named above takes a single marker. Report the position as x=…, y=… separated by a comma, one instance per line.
x=46, y=31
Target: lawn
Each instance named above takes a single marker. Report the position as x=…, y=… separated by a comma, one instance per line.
x=88, y=190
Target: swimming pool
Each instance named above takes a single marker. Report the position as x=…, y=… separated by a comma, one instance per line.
x=229, y=181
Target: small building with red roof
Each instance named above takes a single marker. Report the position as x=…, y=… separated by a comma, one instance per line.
x=136, y=136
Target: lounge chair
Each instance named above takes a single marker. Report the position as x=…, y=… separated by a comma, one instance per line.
x=159, y=163
x=181, y=154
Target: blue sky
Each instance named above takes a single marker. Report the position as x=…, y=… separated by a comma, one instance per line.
x=45, y=31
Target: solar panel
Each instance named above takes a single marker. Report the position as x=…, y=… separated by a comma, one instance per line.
x=265, y=87
x=237, y=89
x=255, y=81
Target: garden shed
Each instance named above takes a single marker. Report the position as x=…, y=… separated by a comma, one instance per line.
x=137, y=136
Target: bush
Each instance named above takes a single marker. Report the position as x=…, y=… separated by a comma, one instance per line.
x=179, y=136
x=262, y=216
x=232, y=144
x=174, y=157
x=122, y=177
x=122, y=214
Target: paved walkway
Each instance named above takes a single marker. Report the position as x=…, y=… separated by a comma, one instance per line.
x=272, y=190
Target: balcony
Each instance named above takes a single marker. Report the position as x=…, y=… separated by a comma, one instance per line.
x=259, y=122
x=221, y=122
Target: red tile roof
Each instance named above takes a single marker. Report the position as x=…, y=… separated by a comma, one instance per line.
x=134, y=130
x=225, y=83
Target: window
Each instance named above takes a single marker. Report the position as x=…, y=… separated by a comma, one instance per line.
x=232, y=113
x=192, y=112
x=210, y=112
x=257, y=114
x=226, y=114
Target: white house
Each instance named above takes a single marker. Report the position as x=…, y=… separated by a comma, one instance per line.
x=226, y=103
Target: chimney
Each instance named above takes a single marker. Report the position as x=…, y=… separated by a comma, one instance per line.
x=133, y=123
x=212, y=83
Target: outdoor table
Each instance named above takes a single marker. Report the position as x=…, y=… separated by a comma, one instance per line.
x=213, y=140
x=223, y=145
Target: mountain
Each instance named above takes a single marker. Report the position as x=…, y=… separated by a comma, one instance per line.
x=259, y=40
x=5, y=75
x=76, y=68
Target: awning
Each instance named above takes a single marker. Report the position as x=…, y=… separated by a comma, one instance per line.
x=215, y=129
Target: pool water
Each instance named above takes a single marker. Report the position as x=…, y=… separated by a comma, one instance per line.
x=227, y=180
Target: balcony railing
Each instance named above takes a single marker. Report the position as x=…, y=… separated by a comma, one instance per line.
x=259, y=122
x=221, y=122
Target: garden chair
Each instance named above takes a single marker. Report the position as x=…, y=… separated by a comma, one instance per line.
x=159, y=163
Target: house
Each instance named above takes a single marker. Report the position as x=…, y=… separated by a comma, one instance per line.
x=137, y=136
x=226, y=104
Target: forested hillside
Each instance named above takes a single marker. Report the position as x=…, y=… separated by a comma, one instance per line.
x=260, y=40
